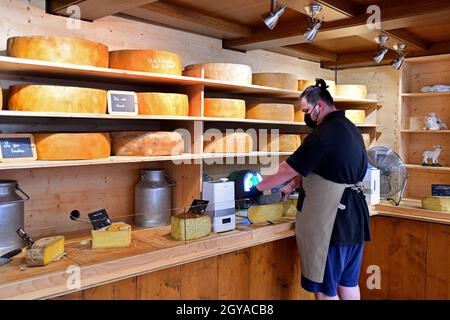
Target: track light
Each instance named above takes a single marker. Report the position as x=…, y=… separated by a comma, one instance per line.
x=382, y=48
x=312, y=11
x=401, y=54
x=276, y=10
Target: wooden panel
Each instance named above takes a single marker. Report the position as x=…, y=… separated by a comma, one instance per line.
x=419, y=182
x=234, y=275
x=200, y=280
x=72, y=296
x=438, y=262
x=420, y=107
x=120, y=290
x=429, y=73
x=425, y=141
x=160, y=285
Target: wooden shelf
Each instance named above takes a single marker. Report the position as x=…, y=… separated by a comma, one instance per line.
x=425, y=131
x=426, y=94
x=424, y=168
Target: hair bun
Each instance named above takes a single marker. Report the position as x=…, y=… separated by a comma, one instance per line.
x=321, y=83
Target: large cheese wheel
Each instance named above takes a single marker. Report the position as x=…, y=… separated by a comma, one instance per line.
x=163, y=104
x=228, y=143
x=299, y=115
x=281, y=143
x=224, y=108
x=190, y=226
x=352, y=91
x=231, y=72
x=266, y=213
x=146, y=60
x=303, y=84
x=72, y=146
x=59, y=49
x=57, y=99
x=271, y=111
x=356, y=116
x=137, y=143
x=276, y=80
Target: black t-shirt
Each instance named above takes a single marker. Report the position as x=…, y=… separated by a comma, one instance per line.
x=335, y=150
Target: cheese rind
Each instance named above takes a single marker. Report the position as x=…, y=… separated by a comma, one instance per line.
x=147, y=61
x=138, y=143
x=190, y=226
x=224, y=108
x=117, y=235
x=271, y=111
x=286, y=81
x=44, y=251
x=436, y=204
x=57, y=99
x=163, y=104
x=356, y=116
x=353, y=91
x=59, y=49
x=230, y=72
x=280, y=143
x=236, y=142
x=265, y=213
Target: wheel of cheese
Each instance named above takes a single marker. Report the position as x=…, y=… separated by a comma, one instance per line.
x=281, y=143
x=190, y=226
x=299, y=115
x=229, y=143
x=138, y=143
x=231, y=72
x=163, y=104
x=146, y=60
x=57, y=99
x=356, y=116
x=72, y=146
x=352, y=91
x=276, y=80
x=59, y=49
x=271, y=111
x=224, y=108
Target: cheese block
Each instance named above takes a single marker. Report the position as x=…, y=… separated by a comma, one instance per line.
x=265, y=213
x=356, y=116
x=57, y=99
x=299, y=115
x=190, y=226
x=117, y=235
x=281, y=143
x=271, y=111
x=146, y=60
x=286, y=81
x=436, y=203
x=228, y=143
x=72, y=146
x=224, y=108
x=231, y=72
x=138, y=143
x=163, y=104
x=290, y=208
x=352, y=91
x=59, y=49
x=303, y=84
x=44, y=251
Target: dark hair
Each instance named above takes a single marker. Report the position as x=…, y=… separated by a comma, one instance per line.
x=317, y=92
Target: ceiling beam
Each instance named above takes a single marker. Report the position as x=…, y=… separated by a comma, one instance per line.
x=401, y=35
x=306, y=52
x=342, y=6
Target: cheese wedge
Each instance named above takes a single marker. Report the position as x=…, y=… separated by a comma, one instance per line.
x=44, y=251
x=230, y=72
x=286, y=81
x=436, y=204
x=117, y=235
x=190, y=226
x=146, y=60
x=356, y=116
x=281, y=143
x=271, y=111
x=235, y=142
x=224, y=108
x=138, y=143
x=163, y=104
x=265, y=213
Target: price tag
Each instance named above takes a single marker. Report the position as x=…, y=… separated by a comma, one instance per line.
x=17, y=147
x=122, y=102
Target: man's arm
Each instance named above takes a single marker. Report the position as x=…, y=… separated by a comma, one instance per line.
x=285, y=173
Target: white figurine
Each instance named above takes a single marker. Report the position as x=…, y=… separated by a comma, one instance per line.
x=434, y=155
x=433, y=122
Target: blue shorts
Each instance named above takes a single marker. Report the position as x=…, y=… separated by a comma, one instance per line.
x=342, y=268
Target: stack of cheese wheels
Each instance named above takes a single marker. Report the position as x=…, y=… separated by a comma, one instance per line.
x=276, y=80
x=303, y=84
x=146, y=60
x=280, y=143
x=230, y=72
x=57, y=99
x=163, y=104
x=299, y=115
x=356, y=116
x=235, y=142
x=72, y=146
x=138, y=143
x=224, y=108
x=271, y=111
x=59, y=49
x=352, y=91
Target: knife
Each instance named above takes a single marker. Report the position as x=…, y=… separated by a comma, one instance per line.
x=7, y=257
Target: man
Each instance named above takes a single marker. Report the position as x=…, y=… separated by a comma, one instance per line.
x=333, y=218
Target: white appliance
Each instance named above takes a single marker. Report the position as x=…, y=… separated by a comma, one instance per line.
x=221, y=206
x=371, y=184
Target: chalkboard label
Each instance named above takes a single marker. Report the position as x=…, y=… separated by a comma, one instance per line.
x=122, y=102
x=17, y=147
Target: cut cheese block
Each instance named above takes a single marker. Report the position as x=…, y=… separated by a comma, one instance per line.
x=57, y=99
x=228, y=143
x=352, y=91
x=271, y=111
x=117, y=235
x=281, y=143
x=276, y=80
x=356, y=116
x=138, y=143
x=44, y=251
x=299, y=115
x=146, y=60
x=224, y=108
x=290, y=208
x=303, y=84
x=59, y=49
x=265, y=213
x=190, y=226
x=72, y=146
x=163, y=104
x=231, y=72
x=436, y=203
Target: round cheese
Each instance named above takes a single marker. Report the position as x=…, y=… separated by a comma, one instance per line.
x=57, y=99
x=352, y=91
x=299, y=115
x=72, y=146
x=59, y=49
x=356, y=116
x=163, y=104
x=276, y=80
x=146, y=60
x=303, y=84
x=266, y=213
x=190, y=226
x=271, y=111
x=231, y=72
x=228, y=143
x=224, y=108
x=281, y=143
x=137, y=143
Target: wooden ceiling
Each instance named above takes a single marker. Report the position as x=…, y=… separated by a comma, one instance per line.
x=344, y=40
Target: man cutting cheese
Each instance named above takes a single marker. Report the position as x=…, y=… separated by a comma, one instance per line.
x=333, y=218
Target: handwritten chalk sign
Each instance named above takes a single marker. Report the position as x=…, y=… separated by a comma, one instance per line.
x=122, y=102
x=17, y=147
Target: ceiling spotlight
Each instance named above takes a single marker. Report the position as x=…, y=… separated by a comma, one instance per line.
x=312, y=11
x=401, y=54
x=382, y=48
x=276, y=10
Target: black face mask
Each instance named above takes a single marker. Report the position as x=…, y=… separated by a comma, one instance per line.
x=310, y=122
